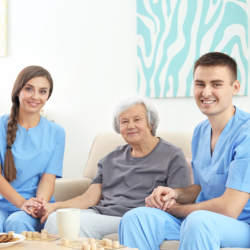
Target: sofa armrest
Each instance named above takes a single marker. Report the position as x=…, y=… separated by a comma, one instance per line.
x=66, y=189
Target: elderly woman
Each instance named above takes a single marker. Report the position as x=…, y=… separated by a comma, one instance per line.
x=128, y=174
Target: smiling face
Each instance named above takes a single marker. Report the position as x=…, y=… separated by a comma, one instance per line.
x=214, y=89
x=134, y=126
x=34, y=95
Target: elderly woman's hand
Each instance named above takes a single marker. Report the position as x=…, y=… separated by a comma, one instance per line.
x=162, y=198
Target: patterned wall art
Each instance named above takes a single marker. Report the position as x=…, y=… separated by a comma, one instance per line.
x=3, y=27
x=173, y=34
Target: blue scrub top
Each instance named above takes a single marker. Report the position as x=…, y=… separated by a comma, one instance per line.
x=229, y=166
x=36, y=151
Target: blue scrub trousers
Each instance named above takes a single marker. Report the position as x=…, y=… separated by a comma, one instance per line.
x=18, y=221
x=146, y=228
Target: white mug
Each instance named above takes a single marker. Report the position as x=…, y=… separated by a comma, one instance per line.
x=68, y=223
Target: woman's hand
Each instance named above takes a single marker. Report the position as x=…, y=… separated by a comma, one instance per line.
x=36, y=203
x=49, y=208
x=161, y=198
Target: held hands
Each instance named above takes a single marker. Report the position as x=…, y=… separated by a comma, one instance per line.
x=43, y=211
x=30, y=205
x=49, y=208
x=162, y=198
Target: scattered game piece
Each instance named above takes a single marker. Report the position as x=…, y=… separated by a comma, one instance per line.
x=24, y=233
x=87, y=247
x=29, y=234
x=116, y=244
x=109, y=243
x=44, y=231
x=98, y=245
x=35, y=235
x=65, y=241
x=44, y=235
x=91, y=241
x=93, y=246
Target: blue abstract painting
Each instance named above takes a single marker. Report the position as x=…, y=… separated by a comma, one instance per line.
x=173, y=34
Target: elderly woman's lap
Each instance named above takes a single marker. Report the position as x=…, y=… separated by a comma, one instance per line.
x=93, y=224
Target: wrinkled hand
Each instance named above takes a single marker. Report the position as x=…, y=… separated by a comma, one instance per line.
x=36, y=203
x=37, y=212
x=162, y=198
x=49, y=208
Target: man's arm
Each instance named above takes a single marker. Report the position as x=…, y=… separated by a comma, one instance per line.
x=165, y=197
x=230, y=204
x=90, y=198
x=188, y=194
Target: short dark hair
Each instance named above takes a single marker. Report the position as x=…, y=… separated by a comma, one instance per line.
x=218, y=59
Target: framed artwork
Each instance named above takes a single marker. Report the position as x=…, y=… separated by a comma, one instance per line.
x=173, y=34
x=3, y=27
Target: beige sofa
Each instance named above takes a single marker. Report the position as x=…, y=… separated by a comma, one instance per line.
x=102, y=145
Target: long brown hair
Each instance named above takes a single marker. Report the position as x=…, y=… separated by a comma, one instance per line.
x=24, y=76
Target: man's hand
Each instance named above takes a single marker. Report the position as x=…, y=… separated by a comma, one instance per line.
x=162, y=198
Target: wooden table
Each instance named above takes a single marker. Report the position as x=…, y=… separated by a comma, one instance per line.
x=40, y=245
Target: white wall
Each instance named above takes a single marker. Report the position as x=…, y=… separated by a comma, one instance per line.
x=89, y=47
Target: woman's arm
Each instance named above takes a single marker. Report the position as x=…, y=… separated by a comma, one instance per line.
x=10, y=194
x=90, y=198
x=44, y=191
x=46, y=187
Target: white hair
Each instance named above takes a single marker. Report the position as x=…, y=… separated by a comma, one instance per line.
x=127, y=103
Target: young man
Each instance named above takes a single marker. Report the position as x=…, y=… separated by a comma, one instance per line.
x=215, y=211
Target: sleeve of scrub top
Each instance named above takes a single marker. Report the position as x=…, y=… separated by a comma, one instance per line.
x=195, y=145
x=55, y=165
x=178, y=172
x=196, y=180
x=239, y=169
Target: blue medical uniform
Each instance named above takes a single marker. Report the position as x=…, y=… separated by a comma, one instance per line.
x=36, y=151
x=228, y=167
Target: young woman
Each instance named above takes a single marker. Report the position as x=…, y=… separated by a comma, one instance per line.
x=31, y=153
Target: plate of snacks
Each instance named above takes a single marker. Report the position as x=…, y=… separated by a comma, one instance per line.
x=9, y=239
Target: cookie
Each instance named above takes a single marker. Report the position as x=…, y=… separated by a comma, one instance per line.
x=3, y=237
x=9, y=237
x=14, y=239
